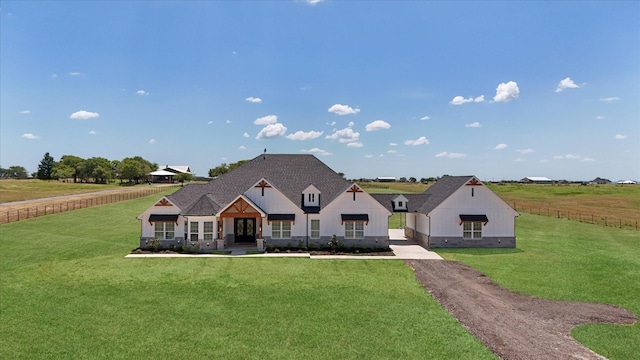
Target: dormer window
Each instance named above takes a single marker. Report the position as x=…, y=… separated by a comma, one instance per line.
x=400, y=203
x=311, y=199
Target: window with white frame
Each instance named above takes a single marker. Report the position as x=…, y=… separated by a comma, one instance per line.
x=281, y=229
x=315, y=229
x=354, y=229
x=312, y=198
x=193, y=230
x=208, y=230
x=164, y=230
x=472, y=229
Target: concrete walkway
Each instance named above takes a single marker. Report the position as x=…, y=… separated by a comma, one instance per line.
x=402, y=248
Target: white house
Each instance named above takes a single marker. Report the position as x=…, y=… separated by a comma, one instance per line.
x=297, y=201
x=456, y=211
x=293, y=200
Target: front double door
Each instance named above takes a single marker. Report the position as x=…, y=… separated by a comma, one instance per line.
x=245, y=230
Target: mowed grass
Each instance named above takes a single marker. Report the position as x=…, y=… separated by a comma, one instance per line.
x=68, y=292
x=566, y=260
x=29, y=189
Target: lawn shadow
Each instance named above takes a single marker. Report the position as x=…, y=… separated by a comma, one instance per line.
x=478, y=251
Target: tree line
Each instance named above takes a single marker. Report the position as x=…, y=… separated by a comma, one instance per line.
x=96, y=169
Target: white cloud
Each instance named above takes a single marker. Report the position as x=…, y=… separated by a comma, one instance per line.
x=242, y=147
x=473, y=125
x=54, y=76
x=255, y=100
x=83, y=115
x=566, y=83
x=459, y=100
x=301, y=135
x=524, y=151
x=355, y=144
x=266, y=120
x=519, y=160
x=316, y=151
x=368, y=156
x=342, y=109
x=142, y=92
x=425, y=118
x=567, y=157
x=30, y=136
x=228, y=121
x=246, y=135
x=393, y=144
x=506, y=92
x=377, y=125
x=152, y=141
x=272, y=131
x=25, y=112
x=600, y=117
x=313, y=2
x=419, y=141
x=451, y=155
x=391, y=151
x=500, y=147
x=210, y=122
x=345, y=135
x=610, y=99
x=92, y=132
x=587, y=159
x=620, y=136
x=75, y=73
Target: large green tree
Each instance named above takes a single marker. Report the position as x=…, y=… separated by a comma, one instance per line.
x=45, y=169
x=17, y=172
x=98, y=169
x=136, y=168
x=72, y=162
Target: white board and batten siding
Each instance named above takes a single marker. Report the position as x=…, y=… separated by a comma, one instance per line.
x=473, y=200
x=331, y=222
x=161, y=207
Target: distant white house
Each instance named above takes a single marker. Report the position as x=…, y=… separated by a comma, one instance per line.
x=166, y=174
x=536, y=180
x=626, y=182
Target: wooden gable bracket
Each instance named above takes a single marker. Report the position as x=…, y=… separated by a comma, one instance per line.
x=474, y=182
x=354, y=189
x=263, y=184
x=163, y=202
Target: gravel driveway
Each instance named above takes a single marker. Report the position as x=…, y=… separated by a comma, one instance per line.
x=511, y=325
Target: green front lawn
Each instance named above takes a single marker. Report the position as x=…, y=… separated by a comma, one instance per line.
x=68, y=292
x=567, y=260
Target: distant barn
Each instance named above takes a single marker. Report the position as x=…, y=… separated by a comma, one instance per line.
x=536, y=180
x=386, y=179
x=600, y=181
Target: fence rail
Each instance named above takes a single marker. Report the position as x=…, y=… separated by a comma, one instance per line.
x=75, y=202
x=610, y=221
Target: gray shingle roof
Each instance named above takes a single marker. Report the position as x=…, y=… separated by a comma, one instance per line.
x=441, y=190
x=288, y=173
x=430, y=199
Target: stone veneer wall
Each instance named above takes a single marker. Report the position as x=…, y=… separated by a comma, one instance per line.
x=368, y=241
x=458, y=242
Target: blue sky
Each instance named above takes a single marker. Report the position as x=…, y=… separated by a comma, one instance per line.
x=501, y=90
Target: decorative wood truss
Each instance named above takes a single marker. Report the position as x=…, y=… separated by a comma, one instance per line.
x=263, y=184
x=354, y=189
